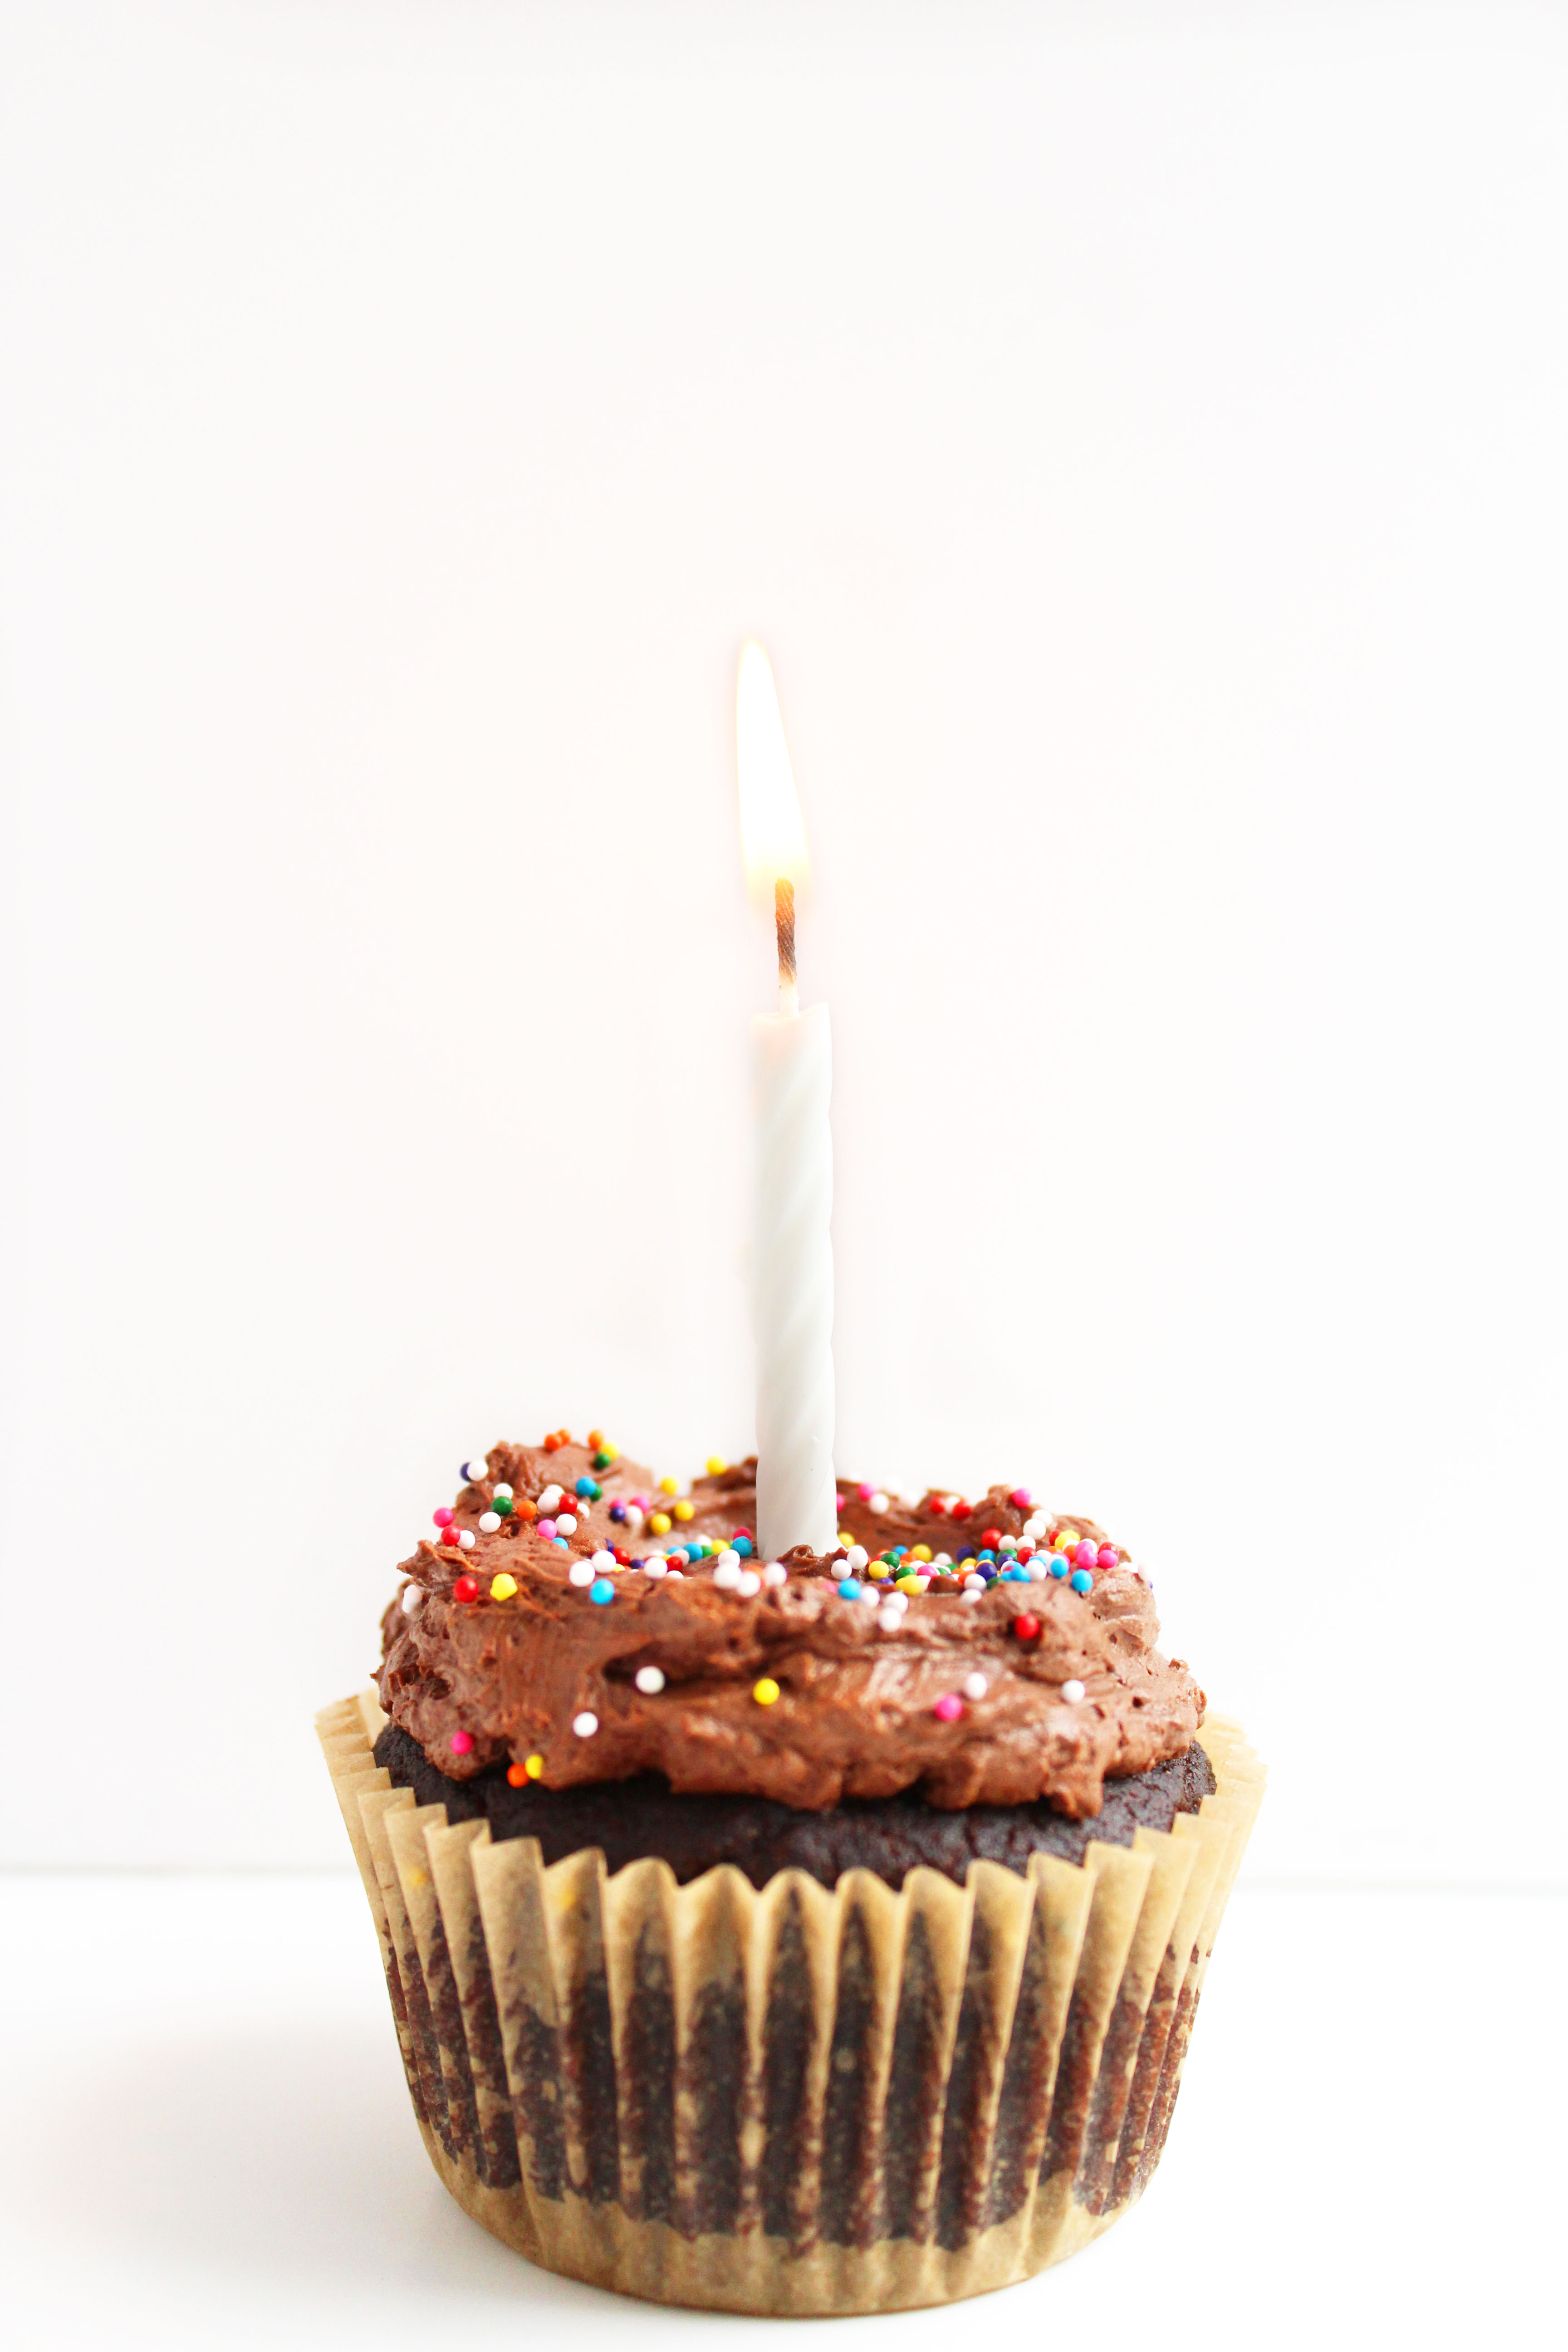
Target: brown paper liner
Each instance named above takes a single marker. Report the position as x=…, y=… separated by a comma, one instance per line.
x=791, y=2100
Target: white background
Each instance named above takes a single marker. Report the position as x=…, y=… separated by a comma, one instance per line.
x=1138, y=436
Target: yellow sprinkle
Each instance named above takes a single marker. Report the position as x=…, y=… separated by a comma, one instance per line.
x=919, y=1551
x=533, y=1766
x=613, y=1451
x=910, y=1584
x=660, y=1523
x=502, y=1587
x=685, y=1511
x=845, y=1537
x=669, y=1485
x=766, y=1692
x=717, y=1465
x=878, y=1571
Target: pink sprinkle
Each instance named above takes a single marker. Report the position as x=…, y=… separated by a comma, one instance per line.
x=544, y=1526
x=865, y=1493
x=1085, y=1555
x=948, y=1709
x=462, y=1742
x=1021, y=1498
x=838, y=1502
x=1108, y=1556
x=443, y=1518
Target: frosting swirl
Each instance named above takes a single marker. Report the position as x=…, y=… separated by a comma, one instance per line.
x=788, y=1692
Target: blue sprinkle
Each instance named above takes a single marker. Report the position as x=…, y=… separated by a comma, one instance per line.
x=966, y=1551
x=742, y=1544
x=692, y=1550
x=1081, y=1581
x=987, y=1574
x=584, y=1487
x=850, y=1588
x=899, y=1550
x=618, y=1513
x=1057, y=1564
x=562, y=1541
x=601, y=1590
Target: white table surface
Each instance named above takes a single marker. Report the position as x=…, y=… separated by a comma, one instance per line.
x=208, y=2141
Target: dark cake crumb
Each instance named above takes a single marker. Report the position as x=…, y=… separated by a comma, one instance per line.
x=631, y=1819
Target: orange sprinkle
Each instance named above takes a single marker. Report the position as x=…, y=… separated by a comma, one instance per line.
x=596, y=1439
x=524, y=1509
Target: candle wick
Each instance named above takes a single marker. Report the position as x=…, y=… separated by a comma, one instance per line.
x=784, y=924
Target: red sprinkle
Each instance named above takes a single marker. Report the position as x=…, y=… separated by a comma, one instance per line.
x=466, y=1588
x=462, y=1742
x=443, y=1518
x=936, y=1507
x=993, y=1537
x=963, y=1510
x=1026, y=1627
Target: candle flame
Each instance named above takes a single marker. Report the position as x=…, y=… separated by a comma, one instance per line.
x=773, y=838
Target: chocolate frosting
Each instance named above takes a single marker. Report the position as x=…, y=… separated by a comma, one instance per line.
x=509, y=1679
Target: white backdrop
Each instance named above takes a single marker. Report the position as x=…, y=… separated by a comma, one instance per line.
x=1138, y=436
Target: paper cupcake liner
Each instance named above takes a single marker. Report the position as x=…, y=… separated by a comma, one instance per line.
x=791, y=2100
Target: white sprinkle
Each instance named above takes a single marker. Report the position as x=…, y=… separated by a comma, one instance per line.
x=877, y=1503
x=582, y=1571
x=969, y=1594
x=856, y=1557
x=466, y=1538
x=728, y=1558
x=889, y=1618
x=974, y=1584
x=503, y=1491
x=1072, y=1692
x=750, y=1583
x=489, y=1522
x=975, y=1686
x=1008, y=1543
x=651, y=1679
x=585, y=1723
x=1039, y=1572
x=475, y=1468
x=413, y=1594
x=943, y=1559
x=869, y=1596
x=727, y=1574
x=775, y=1574
x=676, y=1572
x=655, y=1565
x=567, y=1524
x=604, y=1561
x=634, y=1517
x=548, y=1500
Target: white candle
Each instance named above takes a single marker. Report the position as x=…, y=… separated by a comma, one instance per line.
x=792, y=1078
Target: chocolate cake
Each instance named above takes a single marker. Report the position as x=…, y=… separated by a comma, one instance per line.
x=922, y=2035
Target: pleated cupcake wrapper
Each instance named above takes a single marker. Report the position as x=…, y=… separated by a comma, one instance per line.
x=791, y=2100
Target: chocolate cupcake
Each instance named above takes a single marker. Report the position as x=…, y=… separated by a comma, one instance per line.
x=815, y=1936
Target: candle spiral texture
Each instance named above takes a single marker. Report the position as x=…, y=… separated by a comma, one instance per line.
x=792, y=1280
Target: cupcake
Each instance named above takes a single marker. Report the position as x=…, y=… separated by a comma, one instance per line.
x=817, y=1935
